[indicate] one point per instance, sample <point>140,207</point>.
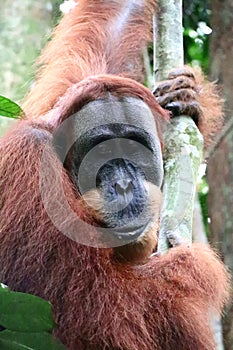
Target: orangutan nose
<point>124,186</point>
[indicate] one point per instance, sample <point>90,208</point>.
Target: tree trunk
<point>181,163</point>
<point>221,49</point>
<point>220,178</point>
<point>220,169</point>
<point>25,27</point>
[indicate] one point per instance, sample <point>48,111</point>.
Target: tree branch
<point>183,141</point>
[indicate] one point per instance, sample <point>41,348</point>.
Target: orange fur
<point>99,304</point>
<point>87,42</point>
<point>212,107</point>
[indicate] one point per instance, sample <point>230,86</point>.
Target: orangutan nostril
<point>124,186</point>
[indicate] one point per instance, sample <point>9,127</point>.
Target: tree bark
<point>183,142</point>
<point>220,178</point>
<point>169,51</point>
<point>25,27</point>
<point>221,49</point>
<point>220,169</point>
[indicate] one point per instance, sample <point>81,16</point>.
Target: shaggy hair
<point>98,302</point>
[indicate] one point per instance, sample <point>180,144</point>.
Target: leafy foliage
<point>25,322</point>
<point>196,15</point>
<point>9,108</point>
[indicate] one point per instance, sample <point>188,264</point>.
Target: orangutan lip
<point>130,231</point>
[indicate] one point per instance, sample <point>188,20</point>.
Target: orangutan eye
<point>81,193</point>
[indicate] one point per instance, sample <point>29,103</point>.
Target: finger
<point>163,86</point>
<point>184,95</point>
<point>191,109</point>
<point>181,71</point>
<point>175,84</point>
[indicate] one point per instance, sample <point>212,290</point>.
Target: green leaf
<point>9,108</point>
<point>25,313</point>
<point>28,341</point>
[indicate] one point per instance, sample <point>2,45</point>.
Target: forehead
<point>112,110</point>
